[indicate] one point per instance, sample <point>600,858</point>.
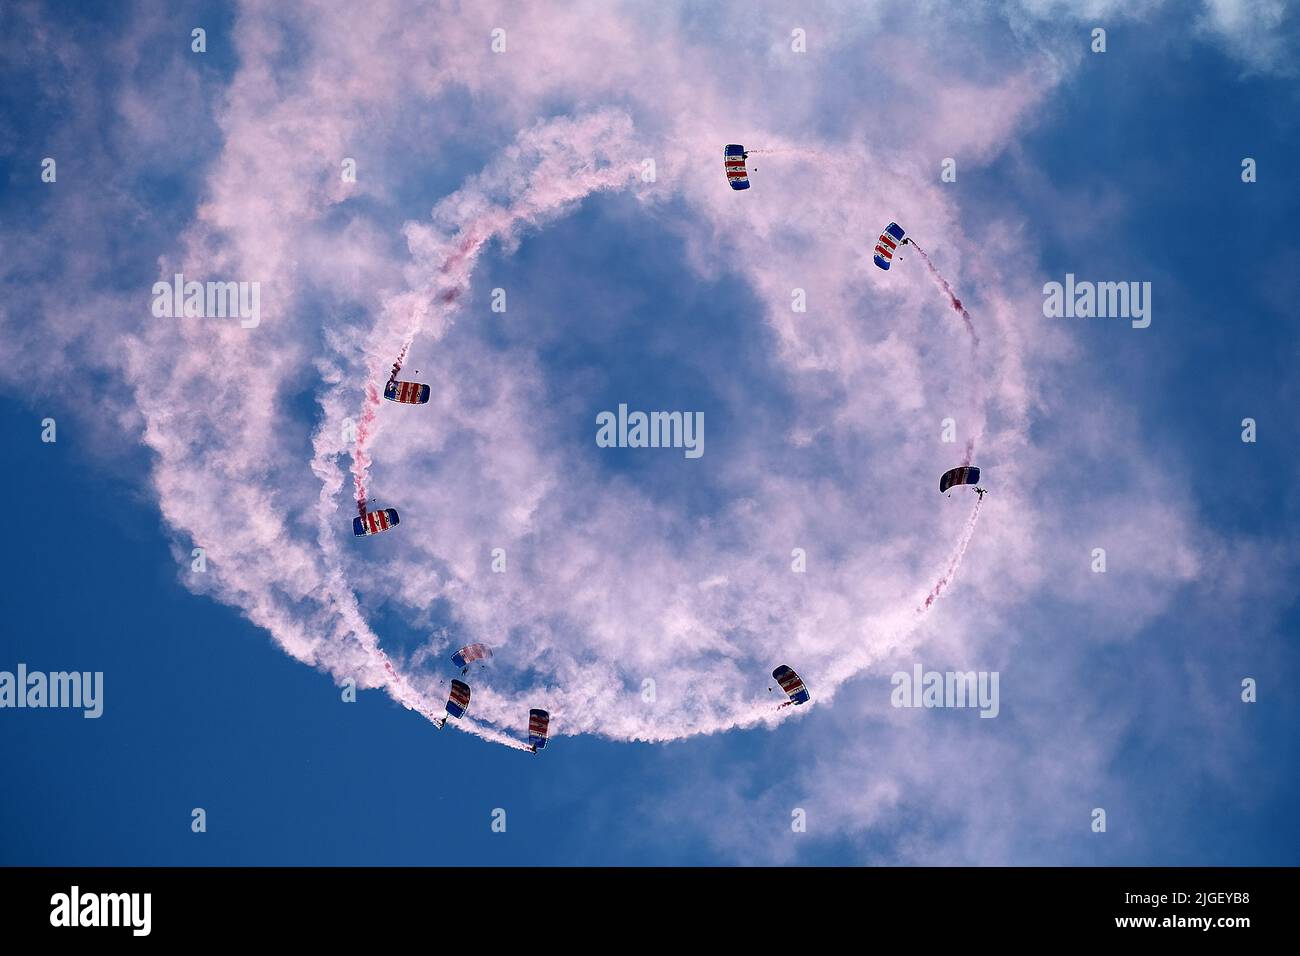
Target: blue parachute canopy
<point>458,702</point>
<point>792,684</point>
<point>888,244</point>
<point>733,161</point>
<point>373,522</point>
<point>965,475</point>
<point>539,724</point>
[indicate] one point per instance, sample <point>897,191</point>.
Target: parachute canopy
<point>408,393</point>
<point>966,475</point>
<point>733,160</point>
<point>373,522</point>
<point>792,684</point>
<point>888,243</point>
<point>539,723</point>
<point>468,655</point>
<point>458,702</point>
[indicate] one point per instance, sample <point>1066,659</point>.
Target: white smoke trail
<point>551,166</point>
<point>555,163</point>
<point>955,561</point>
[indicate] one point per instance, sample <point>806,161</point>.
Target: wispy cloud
<point>608,584</point>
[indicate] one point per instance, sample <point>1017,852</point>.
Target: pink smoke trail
<point>573,159</point>
<point>802,151</point>
<point>551,187</point>
<point>456,265</point>
<point>955,561</point>
<point>366,430</point>
<point>401,359</point>
<point>361,453</point>
<point>952,296</point>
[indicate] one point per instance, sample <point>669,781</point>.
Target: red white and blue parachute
<point>407,393</point>
<point>373,522</point>
<point>733,161</point>
<point>539,724</point>
<point>792,684</point>
<point>458,702</point>
<point>468,655</point>
<point>965,475</point>
<point>888,244</point>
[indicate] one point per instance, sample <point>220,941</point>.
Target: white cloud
<point>608,583</point>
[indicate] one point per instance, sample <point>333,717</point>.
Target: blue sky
<point>1119,691</point>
